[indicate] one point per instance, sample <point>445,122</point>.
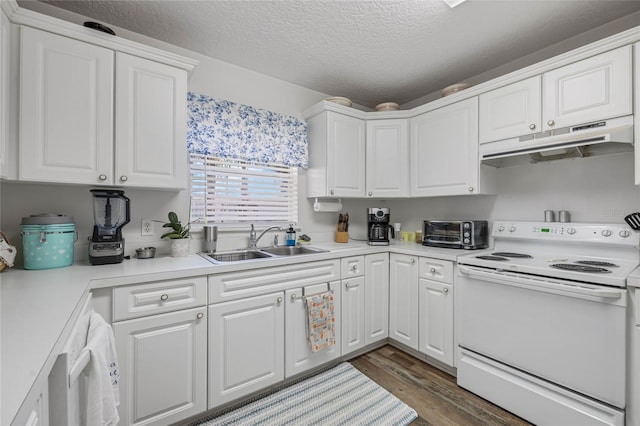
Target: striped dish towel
<point>321,322</point>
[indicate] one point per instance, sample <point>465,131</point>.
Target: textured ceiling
<point>370,51</point>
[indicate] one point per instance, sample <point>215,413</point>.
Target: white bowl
<point>387,106</point>
<point>340,100</point>
<point>450,90</point>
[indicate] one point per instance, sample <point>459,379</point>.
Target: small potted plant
<point>179,236</point>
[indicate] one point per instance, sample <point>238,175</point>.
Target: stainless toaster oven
<point>458,234</point>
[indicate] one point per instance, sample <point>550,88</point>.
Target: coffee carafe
<point>110,213</point>
<point>378,226</point>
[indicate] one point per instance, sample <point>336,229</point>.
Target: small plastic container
<point>48,241</point>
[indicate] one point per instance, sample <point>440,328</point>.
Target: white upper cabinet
<point>596,88</point>
<point>7,145</point>
<point>511,111</point>
<point>336,156</point>
<point>592,89</point>
<point>68,93</point>
<point>444,151</point>
<point>387,168</point>
<point>66,109</point>
<point>151,123</point>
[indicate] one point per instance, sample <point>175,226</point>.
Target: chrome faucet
<point>253,240</point>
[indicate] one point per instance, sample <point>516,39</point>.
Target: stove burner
<point>490,257</point>
<point>580,268</point>
<point>509,254</point>
<point>597,263</point>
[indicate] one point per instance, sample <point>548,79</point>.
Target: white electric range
<point>541,320</point>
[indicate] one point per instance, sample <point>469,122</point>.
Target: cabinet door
<point>345,156</point>
<point>353,298</point>
<point>376,306</point>
<point>5,100</point>
<point>436,320</point>
<point>444,150</point>
<point>151,123</point>
<point>387,155</point>
<point>66,110</point>
<point>511,111</point>
<point>298,354</point>
<point>163,367</point>
<point>246,346</point>
<point>403,299</point>
<point>596,88</point>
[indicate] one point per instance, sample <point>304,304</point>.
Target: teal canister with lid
<point>48,241</point>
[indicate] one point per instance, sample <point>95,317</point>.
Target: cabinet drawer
<point>352,266</point>
<point>254,282</point>
<point>436,270</point>
<point>156,297</point>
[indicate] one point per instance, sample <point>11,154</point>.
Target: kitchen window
<point>244,162</point>
<point>230,191</point>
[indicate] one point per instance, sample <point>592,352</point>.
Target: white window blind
<point>229,191</point>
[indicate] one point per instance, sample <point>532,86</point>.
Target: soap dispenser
<point>291,236</point>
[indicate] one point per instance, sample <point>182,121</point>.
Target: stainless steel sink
<point>257,254</point>
<point>292,250</point>
<point>236,256</point>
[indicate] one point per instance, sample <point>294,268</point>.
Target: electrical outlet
<point>147,227</point>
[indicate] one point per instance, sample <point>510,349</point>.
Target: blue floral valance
<point>229,130</point>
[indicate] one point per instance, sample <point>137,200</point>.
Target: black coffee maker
<point>378,226</point>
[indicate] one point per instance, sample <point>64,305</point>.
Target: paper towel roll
<point>327,206</point>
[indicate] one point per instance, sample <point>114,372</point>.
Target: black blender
<point>110,214</point>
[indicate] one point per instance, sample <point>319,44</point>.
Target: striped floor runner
<point>340,396</point>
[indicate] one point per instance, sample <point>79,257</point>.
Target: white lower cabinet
<point>299,356</point>
<point>246,346</point>
<point>436,320</point>
<point>163,367</point>
<point>353,316</point>
<point>403,299</point>
<point>376,295</point>
<point>365,301</point>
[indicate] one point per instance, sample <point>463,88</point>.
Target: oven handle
<point>538,284</point>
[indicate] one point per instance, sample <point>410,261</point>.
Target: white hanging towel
<point>103,377</point>
<point>321,322</point>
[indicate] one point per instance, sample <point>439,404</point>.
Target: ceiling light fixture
<point>453,3</point>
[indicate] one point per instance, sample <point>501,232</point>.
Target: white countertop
<point>37,308</point>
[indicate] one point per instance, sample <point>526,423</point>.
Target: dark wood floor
<point>431,392</point>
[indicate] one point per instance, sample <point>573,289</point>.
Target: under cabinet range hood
<point>585,140</point>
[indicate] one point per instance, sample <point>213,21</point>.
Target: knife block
<point>341,236</point>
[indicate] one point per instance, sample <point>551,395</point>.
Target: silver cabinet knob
<point>432,270</point>
<point>102,177</point>
<point>532,126</point>
<point>293,296</point>
<point>164,297</point>
<point>200,315</point>
<point>445,290</point>
<point>279,299</point>
<point>370,194</point>
<point>551,123</point>
<point>123,178</point>
<point>347,285</point>
<point>470,189</point>
<point>332,192</point>
<point>354,268</point>
<point>512,229</point>
<point>412,261</point>
<point>500,228</point>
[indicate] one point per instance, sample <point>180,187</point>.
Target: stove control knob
<point>500,228</point>
<point>624,233</point>
<point>571,231</point>
<point>606,233</point>
<point>512,228</point>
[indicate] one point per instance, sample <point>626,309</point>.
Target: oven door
<point>567,333</point>
<point>442,233</point>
